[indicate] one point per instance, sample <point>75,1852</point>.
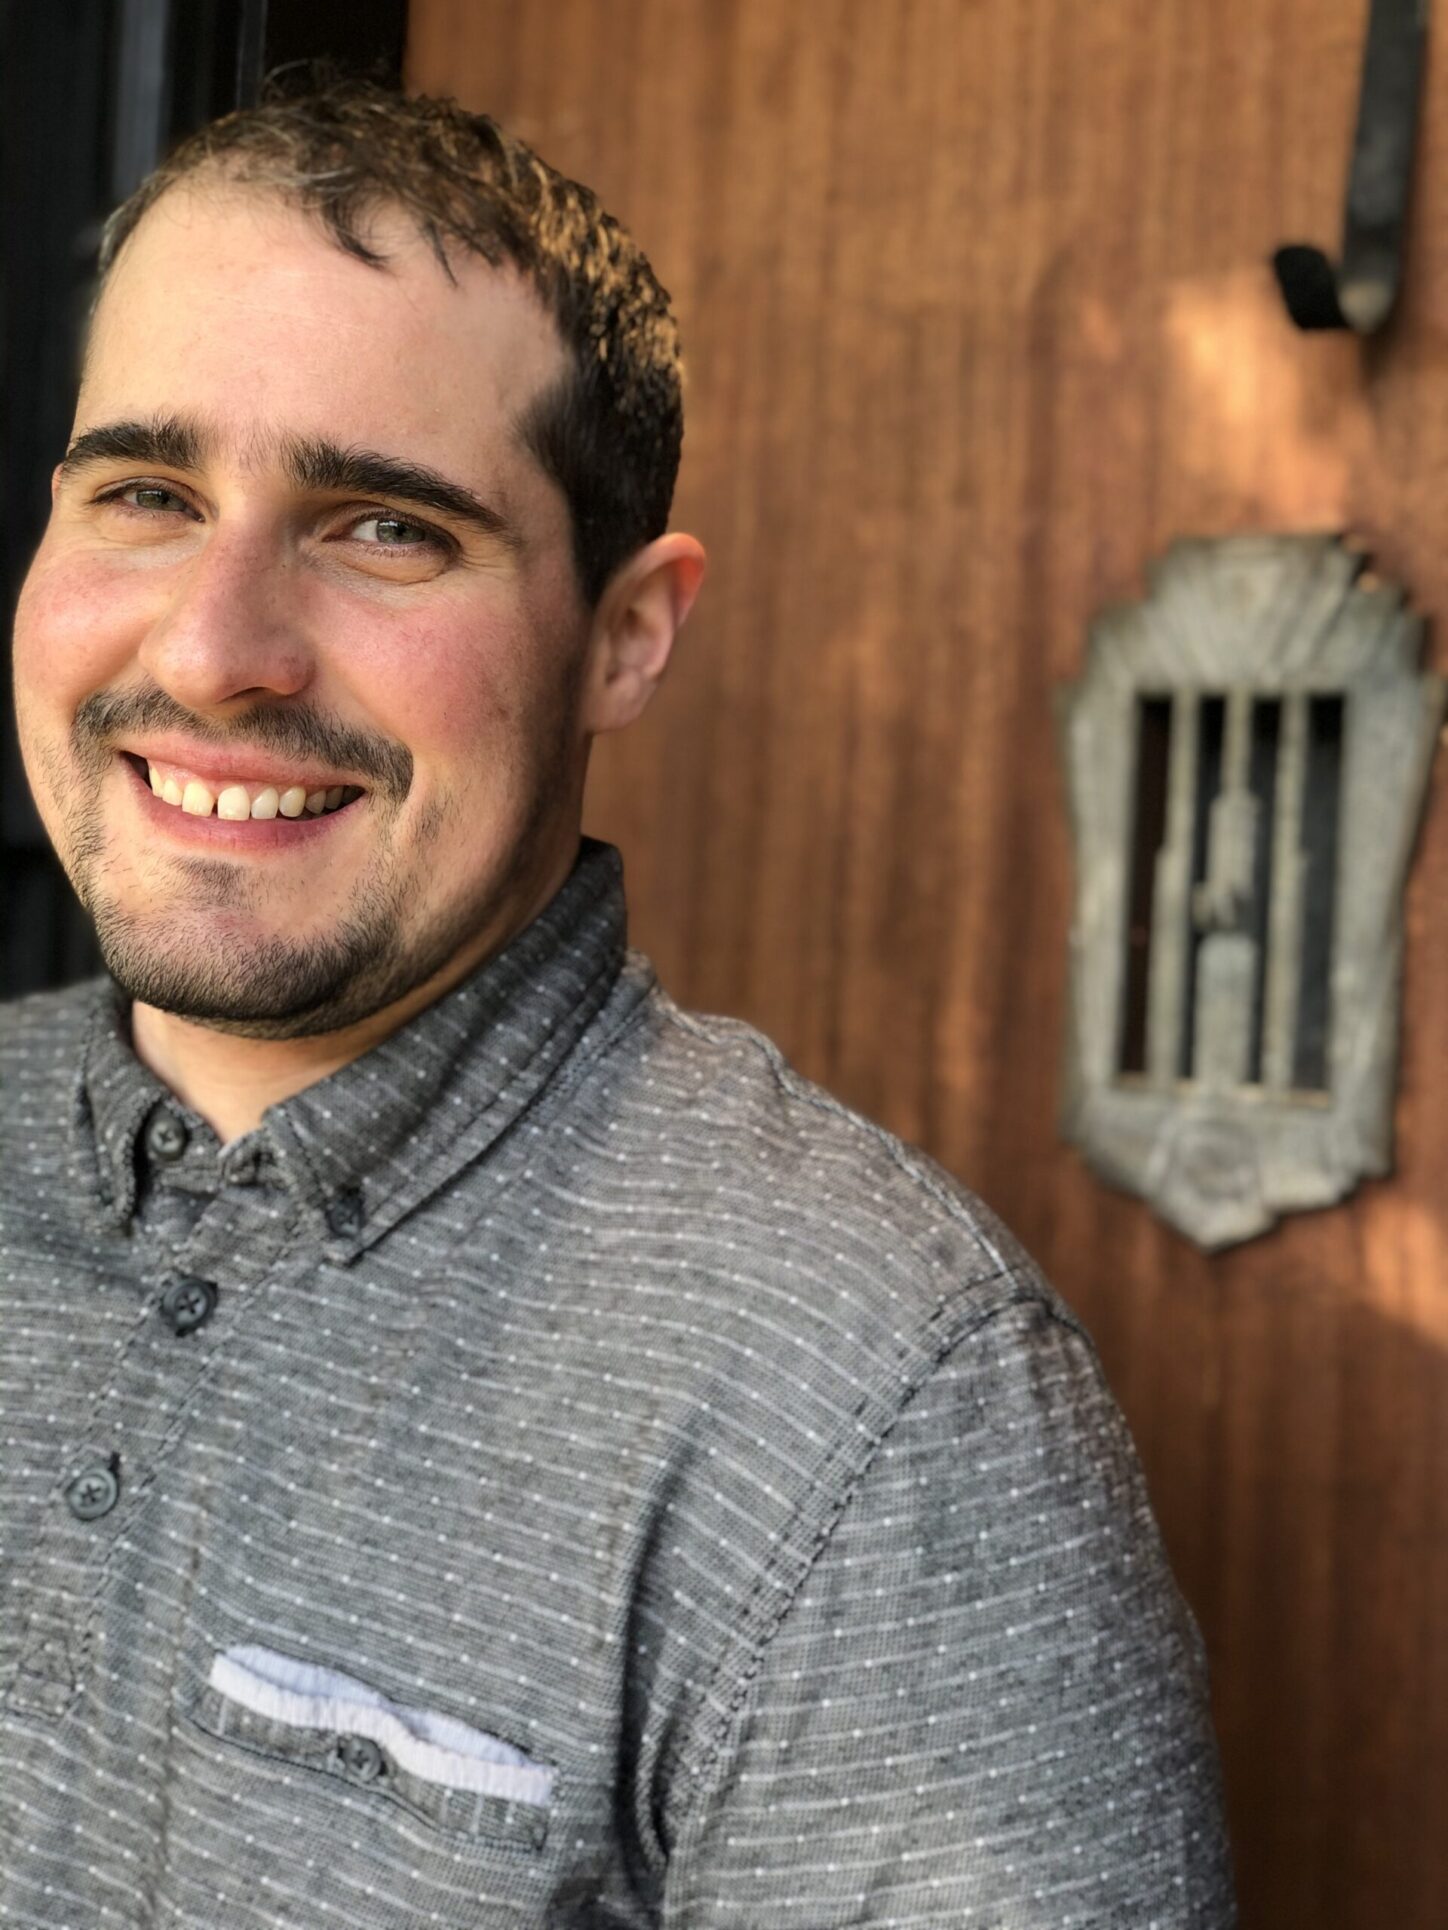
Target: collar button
<point>243,1169</point>
<point>166,1137</point>
<point>345,1214</point>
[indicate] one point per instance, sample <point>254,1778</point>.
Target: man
<point>482,1446</point>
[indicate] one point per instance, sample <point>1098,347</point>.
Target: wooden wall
<point>978,317</point>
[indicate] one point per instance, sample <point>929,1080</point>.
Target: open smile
<point>238,815</point>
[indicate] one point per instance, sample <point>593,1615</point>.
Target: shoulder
<point>43,1041</point>
<point>987,1629</point>
<point>735,1119</point>
<point>43,1035</point>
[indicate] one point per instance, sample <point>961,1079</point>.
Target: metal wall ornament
<point>1247,756</point>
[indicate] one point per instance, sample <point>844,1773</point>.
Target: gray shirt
<point>563,1469</point>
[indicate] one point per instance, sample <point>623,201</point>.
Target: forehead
<point>229,305</point>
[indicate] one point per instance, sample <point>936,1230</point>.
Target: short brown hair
<point>610,433</point>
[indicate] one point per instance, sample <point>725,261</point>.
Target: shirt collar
<point>366,1145</point>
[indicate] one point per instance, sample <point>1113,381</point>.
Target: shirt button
<point>345,1214</point>
<point>93,1492</point>
<point>166,1137</point>
<point>361,1757</point>
<point>188,1303</point>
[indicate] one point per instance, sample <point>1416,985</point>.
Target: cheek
<point>469,699</point>
<point>71,626</point>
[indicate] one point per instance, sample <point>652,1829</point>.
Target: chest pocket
<point>312,1797</point>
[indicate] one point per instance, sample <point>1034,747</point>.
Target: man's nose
<point>230,629</point>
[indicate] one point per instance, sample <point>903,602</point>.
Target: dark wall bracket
<point>1360,292</point>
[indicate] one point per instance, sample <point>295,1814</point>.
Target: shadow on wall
<point>1330,1678</point>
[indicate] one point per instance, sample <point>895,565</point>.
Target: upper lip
<point>219,767</point>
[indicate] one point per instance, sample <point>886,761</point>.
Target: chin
<point>256,984</point>
<point>273,991</point>
<point>222,968</point>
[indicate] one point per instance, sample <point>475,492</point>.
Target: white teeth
<point>236,803</point>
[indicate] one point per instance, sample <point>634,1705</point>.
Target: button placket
<point>133,1419</point>
<point>76,1537</point>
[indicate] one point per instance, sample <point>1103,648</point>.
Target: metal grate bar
<point>1224,961</point>
<point>1284,916</point>
<point>1171,899</point>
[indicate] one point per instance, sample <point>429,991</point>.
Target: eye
<point>142,490</point>
<point>397,532</point>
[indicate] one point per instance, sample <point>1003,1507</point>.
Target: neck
<point>231,1081</point>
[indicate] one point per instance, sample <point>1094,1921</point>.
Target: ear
<point>641,611</point>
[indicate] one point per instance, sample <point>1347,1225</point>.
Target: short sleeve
<point>987,1704</point>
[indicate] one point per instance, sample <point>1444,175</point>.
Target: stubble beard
<point>270,987</point>
<point>274,988</point>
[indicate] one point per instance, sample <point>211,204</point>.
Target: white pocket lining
<point>434,1748</point>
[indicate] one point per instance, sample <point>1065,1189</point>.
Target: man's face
<point>244,606</point>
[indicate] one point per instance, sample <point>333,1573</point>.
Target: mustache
<point>284,729</point>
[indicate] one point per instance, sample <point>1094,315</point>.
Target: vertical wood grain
<point>978,317</point>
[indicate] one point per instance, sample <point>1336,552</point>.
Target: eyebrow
<point>309,462</point>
